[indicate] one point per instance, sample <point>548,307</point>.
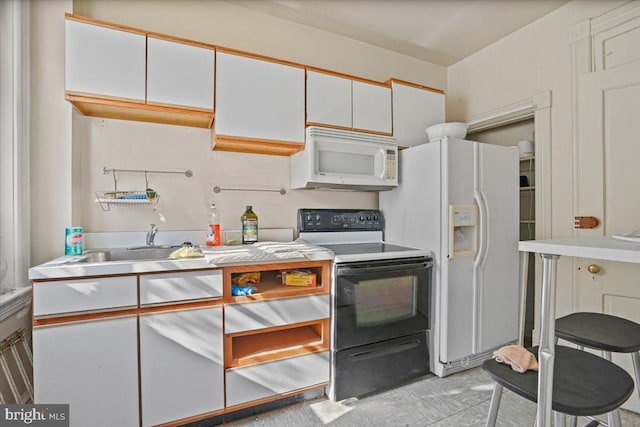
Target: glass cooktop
<point>366,248</point>
<point>371,251</point>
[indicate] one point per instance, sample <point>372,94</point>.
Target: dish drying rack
<point>106,199</point>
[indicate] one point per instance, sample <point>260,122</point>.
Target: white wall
<point>50,131</point>
<point>184,201</point>
<point>505,135</point>
<point>69,150</point>
<point>533,60</point>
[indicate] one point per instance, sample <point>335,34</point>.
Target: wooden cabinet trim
<point>192,419</point>
<point>106,24</point>
<point>140,31</point>
<point>180,107</point>
<point>373,132</point>
<point>138,111</point>
<point>324,125</point>
<point>258,56</point>
<point>180,306</point>
<point>84,316</point>
<point>180,40</point>
<point>348,76</point>
<point>240,144</point>
<point>274,397</point>
<point>88,97</point>
<point>54,319</point>
<point>414,85</point>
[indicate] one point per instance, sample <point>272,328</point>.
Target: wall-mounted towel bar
<point>218,189</point>
<point>105,170</point>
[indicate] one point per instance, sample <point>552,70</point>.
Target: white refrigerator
<point>460,200</point>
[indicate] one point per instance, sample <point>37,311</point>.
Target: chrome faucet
<point>151,234</point>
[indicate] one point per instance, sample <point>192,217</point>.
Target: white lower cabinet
<point>72,296</point>
<point>276,312</point>
<point>181,364</point>
<point>180,286</point>
<point>93,367</point>
<point>249,383</point>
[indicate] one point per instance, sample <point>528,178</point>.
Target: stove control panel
<point>310,220</point>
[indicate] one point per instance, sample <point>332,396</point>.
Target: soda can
<point>73,239</point>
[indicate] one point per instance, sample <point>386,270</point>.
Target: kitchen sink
<point>146,253</point>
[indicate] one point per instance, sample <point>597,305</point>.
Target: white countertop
<point>605,248</point>
<point>214,257</point>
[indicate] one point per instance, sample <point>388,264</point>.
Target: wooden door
<point>608,186</point>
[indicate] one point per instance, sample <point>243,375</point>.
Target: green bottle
<point>249,226</point>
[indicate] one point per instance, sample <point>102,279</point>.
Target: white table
<point>605,248</point>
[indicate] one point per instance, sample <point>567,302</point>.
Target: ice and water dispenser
<point>463,230</point>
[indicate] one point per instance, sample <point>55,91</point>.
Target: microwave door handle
<point>383,161</point>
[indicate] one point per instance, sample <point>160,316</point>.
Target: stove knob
<point>309,217</point>
<point>368,218</point>
<point>375,217</point>
<point>361,218</point>
<point>317,217</point>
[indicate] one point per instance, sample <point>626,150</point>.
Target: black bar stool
<point>603,332</point>
<point>583,384</point>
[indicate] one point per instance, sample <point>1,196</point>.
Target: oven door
<point>380,300</point>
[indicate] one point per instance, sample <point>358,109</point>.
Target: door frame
<point>537,108</point>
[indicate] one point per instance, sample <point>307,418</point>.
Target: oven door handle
<point>352,271</point>
<point>385,351</point>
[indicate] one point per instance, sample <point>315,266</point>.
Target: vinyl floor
<point>458,400</point>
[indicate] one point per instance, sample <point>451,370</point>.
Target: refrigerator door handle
<point>483,243</point>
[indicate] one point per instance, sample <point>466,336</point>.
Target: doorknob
<point>593,268</point>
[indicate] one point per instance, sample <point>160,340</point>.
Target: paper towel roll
<point>525,148</point>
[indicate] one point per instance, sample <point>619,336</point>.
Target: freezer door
<point>496,284</point>
<point>455,293</point>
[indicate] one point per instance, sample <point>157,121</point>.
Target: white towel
<point>519,358</point>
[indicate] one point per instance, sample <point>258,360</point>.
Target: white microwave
<point>345,160</point>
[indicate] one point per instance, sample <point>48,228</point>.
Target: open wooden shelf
<point>260,346</point>
<point>270,285</point>
<point>240,144</point>
<point>141,112</point>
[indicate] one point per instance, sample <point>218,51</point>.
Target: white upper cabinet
<point>342,102</point>
<point>414,110</point>
<point>104,61</point>
<point>179,74</point>
<point>371,107</point>
<point>328,100</point>
<point>259,99</point>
